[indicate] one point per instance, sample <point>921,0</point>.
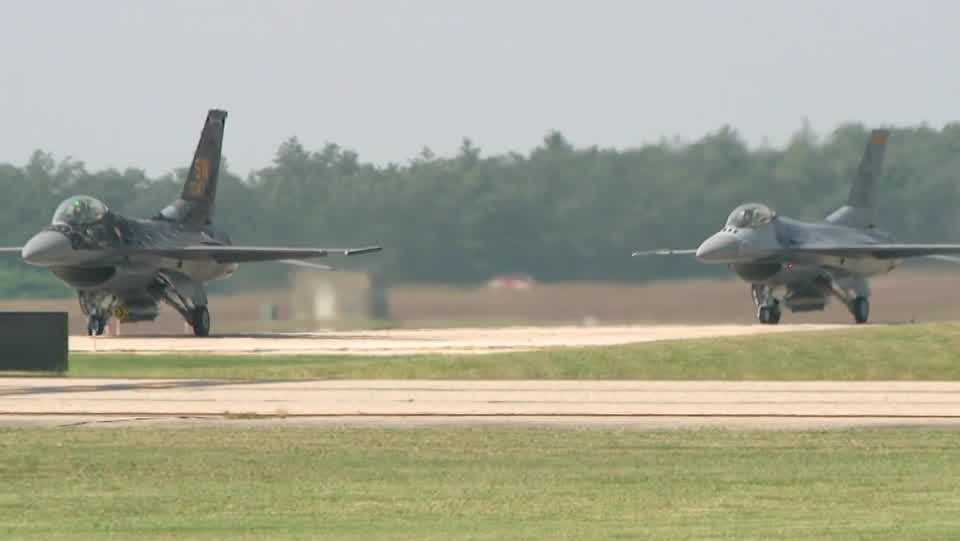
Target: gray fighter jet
<point>811,262</point>
<point>124,267</point>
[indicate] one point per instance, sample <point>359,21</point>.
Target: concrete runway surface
<point>637,404</point>
<point>407,341</point>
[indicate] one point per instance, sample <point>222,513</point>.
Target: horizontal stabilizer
<point>305,264</point>
<point>947,258</point>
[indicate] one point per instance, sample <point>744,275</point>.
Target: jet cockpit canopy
<point>750,216</point>
<point>80,210</point>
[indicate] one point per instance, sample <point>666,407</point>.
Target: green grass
<point>496,484</point>
<point>908,352</point>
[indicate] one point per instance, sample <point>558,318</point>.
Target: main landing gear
<point>198,318</point>
<point>853,293</point>
<point>860,308</point>
<point>188,298</point>
<point>768,306</point>
<point>200,321</point>
<point>190,301</point>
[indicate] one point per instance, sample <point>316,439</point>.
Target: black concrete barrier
<point>33,341</point>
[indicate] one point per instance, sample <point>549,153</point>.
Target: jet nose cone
<point>720,248</point>
<point>46,248</point>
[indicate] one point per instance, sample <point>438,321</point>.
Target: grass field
<point>440,484</point>
<point>905,352</point>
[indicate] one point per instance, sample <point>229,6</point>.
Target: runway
<point>639,404</point>
<point>425,341</point>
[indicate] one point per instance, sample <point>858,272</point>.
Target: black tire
<point>768,315</point>
<point>96,325</point>
<point>200,321</point>
<point>860,308</point>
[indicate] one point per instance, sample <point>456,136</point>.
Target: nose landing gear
<point>768,306</point>
<point>96,324</point>
<point>769,314</point>
<point>96,306</point>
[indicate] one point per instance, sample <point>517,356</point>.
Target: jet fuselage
<point>103,255</point>
<point>124,267</point>
<point>756,253</point>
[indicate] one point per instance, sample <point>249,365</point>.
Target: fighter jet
<point>124,267</point>
<point>810,263</point>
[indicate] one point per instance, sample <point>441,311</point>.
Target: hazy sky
<point>127,83</point>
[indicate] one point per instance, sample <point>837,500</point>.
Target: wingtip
<point>364,250</point>
<point>661,251</point>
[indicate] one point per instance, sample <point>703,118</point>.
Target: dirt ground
<point>909,294</point>
<point>904,295</point>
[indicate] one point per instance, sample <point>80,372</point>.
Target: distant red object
<point>511,281</point>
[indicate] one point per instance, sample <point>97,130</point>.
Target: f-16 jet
<point>810,263</point>
<point>125,267</point>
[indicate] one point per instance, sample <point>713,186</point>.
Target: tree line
<point>557,212</point>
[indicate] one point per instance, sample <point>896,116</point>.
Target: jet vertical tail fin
<point>861,207</point>
<point>195,205</point>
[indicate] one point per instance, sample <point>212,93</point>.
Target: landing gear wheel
<point>95,325</point>
<point>769,314</point>
<point>860,308</point>
<point>200,321</point>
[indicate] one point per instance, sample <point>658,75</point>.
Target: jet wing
<point>10,249</point>
<point>664,252</point>
<point>879,251</point>
<point>243,254</point>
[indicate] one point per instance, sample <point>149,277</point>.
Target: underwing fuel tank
<point>136,310</point>
<point>804,299</point>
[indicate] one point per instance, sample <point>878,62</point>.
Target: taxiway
<point>425,341</point>
<point>411,403</point>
